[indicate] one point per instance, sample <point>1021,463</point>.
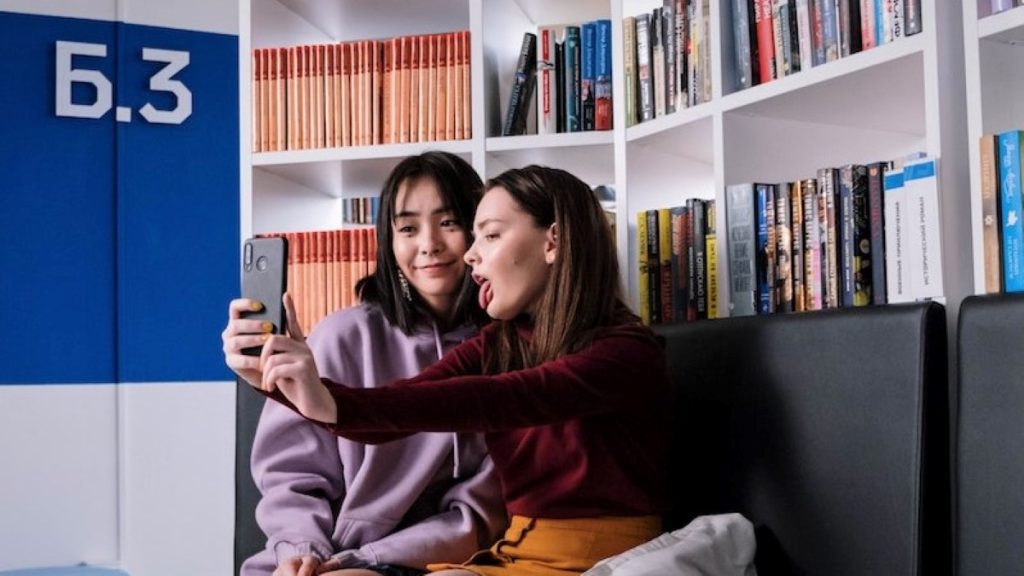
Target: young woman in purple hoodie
<point>570,390</point>
<point>328,502</point>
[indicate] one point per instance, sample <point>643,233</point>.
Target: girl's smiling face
<point>511,256</point>
<point>429,244</point>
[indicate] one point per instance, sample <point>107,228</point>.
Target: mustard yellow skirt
<point>543,547</point>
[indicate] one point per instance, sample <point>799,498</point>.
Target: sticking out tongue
<point>485,294</point>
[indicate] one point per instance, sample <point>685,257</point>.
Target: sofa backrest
<point>249,539</point>
<point>829,431</point>
<point>990,436</point>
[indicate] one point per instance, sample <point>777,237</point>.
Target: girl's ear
<point>551,244</point>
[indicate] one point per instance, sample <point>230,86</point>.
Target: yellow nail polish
<point>256,305</point>
<point>267,327</point>
<point>264,337</point>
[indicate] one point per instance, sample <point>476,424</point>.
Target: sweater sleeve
<point>616,372</point>
<point>296,467</point>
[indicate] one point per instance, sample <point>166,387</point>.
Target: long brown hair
<point>461,189</point>
<point>584,292</point>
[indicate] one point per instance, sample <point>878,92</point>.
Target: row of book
<point>776,38</point>
<point>666,59</point>
<point>360,211</point>
<point>404,89</point>
<point>853,236</point>
<point>323,268</point>
<point>570,69</point>
<point>1004,5</point>
<point>1001,209</point>
<point>678,264</point>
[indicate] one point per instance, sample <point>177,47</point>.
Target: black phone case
<point>265,278</point>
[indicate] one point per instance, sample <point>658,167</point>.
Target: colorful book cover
<point>740,225</point>
<point>1010,210</point>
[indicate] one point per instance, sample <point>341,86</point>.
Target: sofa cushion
<point>990,436</point>
<point>828,430</point>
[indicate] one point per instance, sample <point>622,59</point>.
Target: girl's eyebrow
<point>486,221</point>
<point>413,214</point>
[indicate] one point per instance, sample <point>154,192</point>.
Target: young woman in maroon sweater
<point>569,389</point>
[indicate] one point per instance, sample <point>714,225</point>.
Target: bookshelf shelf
<point>878,104</point>
<point>1007,27</point>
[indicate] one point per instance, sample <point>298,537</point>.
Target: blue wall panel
<point>178,210</point>
<point>57,213</point>
<point>118,234</point>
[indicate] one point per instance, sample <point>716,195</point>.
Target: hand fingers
<point>294,330</point>
<point>308,567</point>
<point>238,306</point>
<point>329,565</point>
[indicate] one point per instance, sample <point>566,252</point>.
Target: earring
<point>405,286</point>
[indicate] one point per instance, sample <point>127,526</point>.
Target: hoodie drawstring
<point>455,435</point>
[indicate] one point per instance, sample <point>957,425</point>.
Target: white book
<point>924,250</point>
<point>804,34</point>
<point>547,87</point>
<point>896,230</point>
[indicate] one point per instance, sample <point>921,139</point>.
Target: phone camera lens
<point>261,263</point>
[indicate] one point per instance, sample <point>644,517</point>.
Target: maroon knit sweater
<point>585,435</point>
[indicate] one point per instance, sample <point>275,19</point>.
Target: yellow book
<point>643,284</point>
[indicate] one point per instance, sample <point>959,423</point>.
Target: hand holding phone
<point>265,278</point>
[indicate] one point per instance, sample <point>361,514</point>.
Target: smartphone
<point>265,278</point>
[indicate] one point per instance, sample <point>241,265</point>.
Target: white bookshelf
<point>876,105</point>
<point>994,55</point>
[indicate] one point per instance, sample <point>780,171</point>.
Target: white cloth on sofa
<point>718,545</point>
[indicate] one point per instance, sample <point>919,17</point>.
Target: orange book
<point>320,281</point>
<point>304,97</point>
<point>467,91</point>
<point>280,79</point>
<point>376,68</point>
<point>317,76</point>
<point>371,240</point>
<point>457,82</point>
<point>330,97</point>
<point>345,51</point>
<point>331,280</point>
<point>348,269</point>
<point>414,88</point>
<point>441,64</point>
<point>385,92</point>
<point>257,99</point>
<point>424,94</point>
<point>431,87</point>
<point>403,89</point>
<point>291,95</point>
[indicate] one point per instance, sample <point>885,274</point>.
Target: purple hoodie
<point>430,497</point>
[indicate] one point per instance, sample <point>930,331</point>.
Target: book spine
<point>658,61</point>
<point>783,250</point>
<point>677,217</point>
<point>844,216</point>
<point>682,44</point>
<point>829,29</point>
<point>573,104</point>
<point>741,43</point>
<point>629,64</point>
<point>912,17</point>
<point>861,237</point>
<point>520,94</point>
<point>780,35</point>
<point>588,76</point>
<point>867,24</point>
<point>895,232</point>
<point>765,40</point>
<point>711,248</point>
<point>876,210</point>
<point>740,232</point>
<point>644,68</point>
<point>654,265</point>
<point>812,245</point>
<point>827,186</point>
<point>603,72</point>
<point>1011,210</point>
<point>665,264</point>
<point>560,82</point>
<point>796,215</point>
<point>547,84</point>
<point>699,258</point>
<point>925,250</point>
<point>990,214</point>
<point>643,263</point>
<point>793,42</point>
<point>804,33</point>
<point>668,40</point>
<point>765,265</point>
